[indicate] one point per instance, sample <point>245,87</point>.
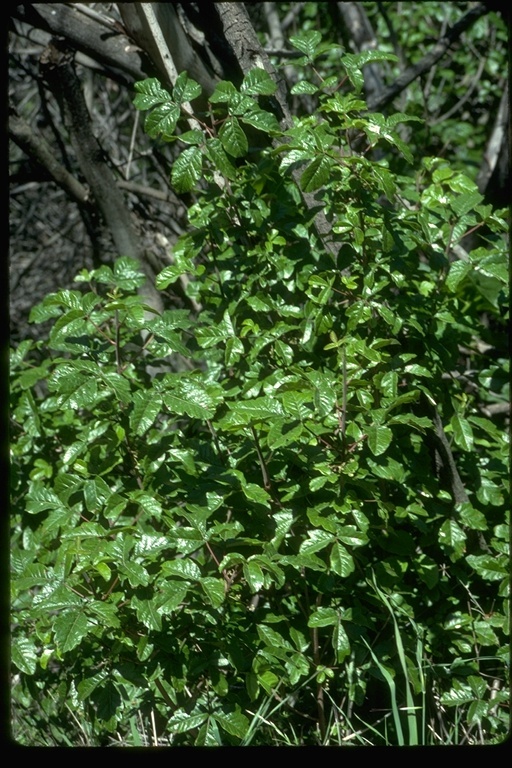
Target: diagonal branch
<point>35,146</point>
<point>457,489</point>
<point>428,61</point>
<point>109,47</point>
<point>57,65</point>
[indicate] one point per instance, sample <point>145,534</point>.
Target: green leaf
<point>146,407</point>
<point>323,617</point>
<point>494,266</point>
<point>466,202</point>
<point>215,590</point>
<point>135,572</point>
<point>307,42</point>
<point>257,409</point>
<point>41,499</point>
<point>418,370</point>
<point>70,628</point>
<point>452,537</point>
<point>253,575</point>
<point>215,151</point>
<point>234,723</point>
<point>341,643</point>
<point>257,81</point>
<point>147,502</point>
<point>262,120</point>
<point>317,540</point>
<point>272,639</point>
<point>181,722</point>
<point>192,137</point>
<point>462,432</point>
<point>341,562</point>
<point>256,493</point>
<point>149,93</point>
<point>24,655</point>
<point>185,89</point>
<point>118,385</point>
<point>489,567</point>
<point>224,92</point>
<point>379,439</point>
<point>233,138</point>
<point>234,351</point>
<point>162,121</point>
<point>127,274</point>
<point>457,272</point>
<point>304,87</point>
<point>185,568</point>
<point>189,397</point>
<point>187,170</point>
<point>489,492</point>
<point>316,174</point>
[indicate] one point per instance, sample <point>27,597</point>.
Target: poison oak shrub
<point>310,516</point>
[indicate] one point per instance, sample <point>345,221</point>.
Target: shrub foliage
<point>273,519</point>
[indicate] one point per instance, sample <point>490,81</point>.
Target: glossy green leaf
<point>342,563</point>
<point>261,119</point>
<point>253,575</point>
<point>185,89</point>
<point>316,541</point>
<point>24,655</point>
<point>379,439</point>
<point>189,397</point>
<point>187,169</point>
<point>146,407</point>
<point>215,151</point>
<point>233,138</point>
<point>70,628</point>
<point>255,493</point>
<point>316,174</point>
<point>453,538</point>
<point>462,432</point>
<point>234,723</point>
<point>458,271</point>
<point>323,617</point>
<point>307,42</point>
<point>489,567</point>
<point>303,87</point>
<point>185,568</point>
<point>258,82</point>
<point>215,590</point>
<point>149,93</point>
<point>341,643</point>
<point>162,121</point>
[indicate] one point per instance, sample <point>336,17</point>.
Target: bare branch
<point>57,66</point>
<point>113,50</point>
<point>36,147</point>
<point>453,110</point>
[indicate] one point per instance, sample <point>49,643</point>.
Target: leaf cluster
<point>277,517</point>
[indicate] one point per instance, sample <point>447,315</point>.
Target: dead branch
<point>57,66</point>
<point>36,147</point>
<point>113,50</point>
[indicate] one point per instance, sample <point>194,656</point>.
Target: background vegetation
<point>259,452</point>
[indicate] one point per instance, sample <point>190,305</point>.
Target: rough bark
<point>103,41</point>
<point>36,147</point>
<point>57,65</point>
